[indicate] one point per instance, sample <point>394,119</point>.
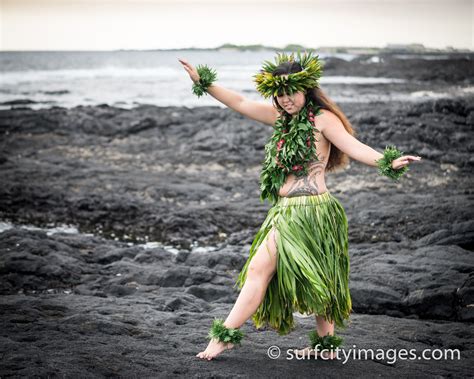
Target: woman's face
<point>292,103</point>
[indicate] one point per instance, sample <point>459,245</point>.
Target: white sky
<point>160,24</point>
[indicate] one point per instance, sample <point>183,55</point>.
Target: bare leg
<point>323,328</point>
<point>260,272</point>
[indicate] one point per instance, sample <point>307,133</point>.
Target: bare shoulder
<point>325,119</point>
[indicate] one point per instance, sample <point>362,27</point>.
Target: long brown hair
<point>337,159</point>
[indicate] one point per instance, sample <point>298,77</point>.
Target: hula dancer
<point>299,259</point>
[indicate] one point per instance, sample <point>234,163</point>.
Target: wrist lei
<point>384,164</point>
<point>224,334</point>
<point>206,77</point>
<point>327,342</point>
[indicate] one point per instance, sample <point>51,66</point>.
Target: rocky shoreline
<point>101,302</point>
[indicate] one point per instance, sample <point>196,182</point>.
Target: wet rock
<point>210,292</point>
<point>174,277</point>
<point>188,178</point>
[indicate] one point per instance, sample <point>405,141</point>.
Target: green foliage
<point>206,77</point>
<point>295,133</point>
<point>326,342</point>
<point>269,85</point>
<point>227,335</point>
<point>385,163</point>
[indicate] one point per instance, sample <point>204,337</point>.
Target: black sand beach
<point>102,303</point>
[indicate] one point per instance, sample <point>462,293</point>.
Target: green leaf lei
<point>289,150</point>
<point>206,77</point>
<point>327,342</point>
<point>384,164</point>
<point>227,335</point>
<point>268,84</point>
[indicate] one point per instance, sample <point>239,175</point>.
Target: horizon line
<point>411,47</point>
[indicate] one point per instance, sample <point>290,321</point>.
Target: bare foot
<point>214,348</point>
<point>309,352</point>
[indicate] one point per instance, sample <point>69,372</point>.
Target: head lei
<point>268,84</point>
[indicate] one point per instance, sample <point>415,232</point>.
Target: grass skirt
<point>313,262</point>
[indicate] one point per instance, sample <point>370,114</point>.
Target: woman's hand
<point>404,161</point>
<point>193,74</point>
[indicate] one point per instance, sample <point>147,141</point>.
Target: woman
<point>299,258</point>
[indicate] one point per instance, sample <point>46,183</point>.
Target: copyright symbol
<point>273,352</point>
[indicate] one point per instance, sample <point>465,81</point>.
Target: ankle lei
<point>327,342</point>
<point>221,333</point>
<point>289,150</point>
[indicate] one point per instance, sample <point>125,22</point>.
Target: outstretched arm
<point>256,110</point>
<point>333,129</point>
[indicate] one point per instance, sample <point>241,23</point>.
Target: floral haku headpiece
<point>269,85</point>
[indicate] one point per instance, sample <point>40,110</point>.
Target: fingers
<point>405,160</point>
<point>184,63</point>
<point>411,157</point>
<point>401,163</point>
<point>189,69</point>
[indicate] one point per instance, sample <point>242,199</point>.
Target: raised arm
<point>256,110</point>
<point>332,128</point>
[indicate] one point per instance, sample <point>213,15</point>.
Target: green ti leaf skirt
<point>312,273</point>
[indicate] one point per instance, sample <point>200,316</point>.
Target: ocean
<point>128,78</point>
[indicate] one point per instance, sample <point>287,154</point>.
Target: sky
<point>166,24</point>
